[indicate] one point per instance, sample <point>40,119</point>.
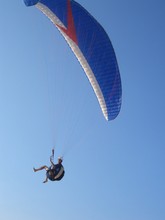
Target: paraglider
<point>55,172</point>
<point>92,47</point>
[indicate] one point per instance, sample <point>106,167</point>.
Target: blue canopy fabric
<point>92,47</point>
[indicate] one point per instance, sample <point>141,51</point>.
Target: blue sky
<point>114,170</point>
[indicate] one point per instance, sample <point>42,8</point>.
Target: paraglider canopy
<point>92,47</point>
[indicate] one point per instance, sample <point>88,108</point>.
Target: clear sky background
<point>114,170</point>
